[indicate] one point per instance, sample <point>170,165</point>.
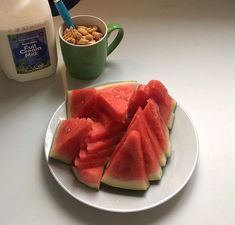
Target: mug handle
<point>117,39</point>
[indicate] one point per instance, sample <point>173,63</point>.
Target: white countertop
<point>190,47</point>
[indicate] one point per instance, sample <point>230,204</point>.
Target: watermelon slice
<point>69,137</point>
<point>84,155</point>
<point>115,99</point>
<point>89,176</point>
<point>140,123</point>
<point>152,160</point>
<point>156,90</point>
<point>157,126</point>
<point>81,102</point>
<point>154,141</point>
<point>150,134</point>
<point>93,147</point>
<point>127,169</point>
<point>88,163</point>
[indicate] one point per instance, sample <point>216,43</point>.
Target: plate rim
<point>174,193</point>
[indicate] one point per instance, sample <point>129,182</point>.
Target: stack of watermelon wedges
<point>116,134</point>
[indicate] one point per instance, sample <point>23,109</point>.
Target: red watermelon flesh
<point>115,99</point>
<point>138,100</point>
<point>125,134</point>
<point>100,132</point>
<point>150,132</point>
<point>93,147</point>
<point>88,163</point>
<point>108,122</point>
<point>154,141</point>
<point>139,123</point>
<point>152,162</point>
<point>127,169</point>
<point>84,155</point>
<point>131,120</point>
<point>156,90</point>
<point>102,117</point>
<point>89,176</point>
<point>69,137</point>
<point>167,115</point>
<point>81,102</point>
<point>158,126</point>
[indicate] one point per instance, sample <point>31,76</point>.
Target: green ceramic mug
<point>87,62</point>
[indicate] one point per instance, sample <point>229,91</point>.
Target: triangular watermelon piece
<point>81,102</point>
<point>89,176</point>
<point>127,167</point>
<point>68,139</point>
<point>150,134</point>
<point>157,91</point>
<point>154,141</point>
<point>115,99</point>
<point>157,125</point>
<point>152,162</point>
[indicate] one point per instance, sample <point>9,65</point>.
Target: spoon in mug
<point>63,11</point>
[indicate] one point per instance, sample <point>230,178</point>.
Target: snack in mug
<point>82,35</point>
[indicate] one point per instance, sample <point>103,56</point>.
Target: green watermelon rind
<point>174,105</point>
<point>155,176</point>
<point>131,185</point>
<point>168,150</point>
<point>163,160</point>
<point>52,152</point>
<point>171,120</point>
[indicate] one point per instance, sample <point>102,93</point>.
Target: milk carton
<point>27,39</point>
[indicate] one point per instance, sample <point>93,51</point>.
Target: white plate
<point>175,175</point>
